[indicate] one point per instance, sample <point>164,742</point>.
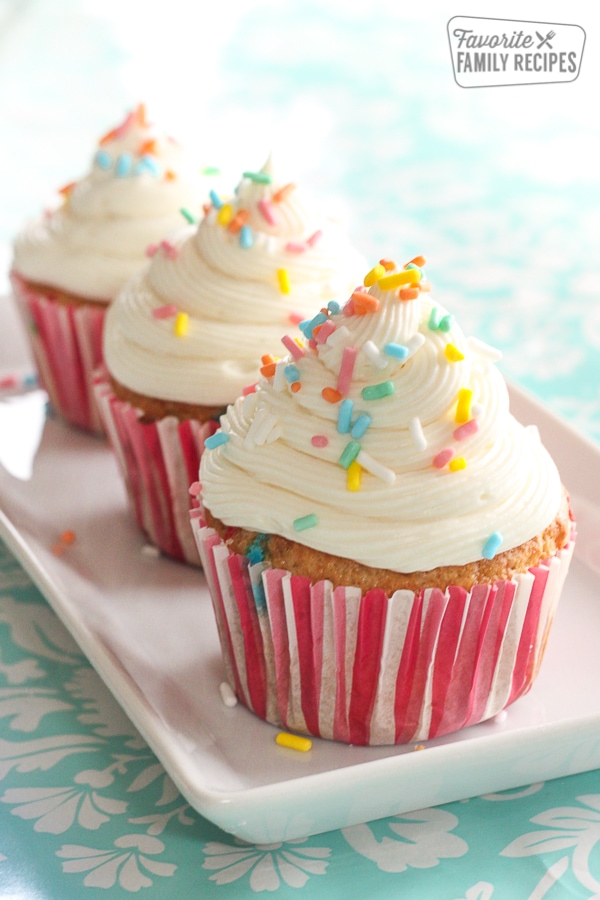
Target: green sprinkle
<point>349,453</point>
<point>305,522</point>
<point>258,177</point>
<point>434,319</point>
<point>187,215</point>
<point>210,170</point>
<point>446,323</point>
<point>377,391</point>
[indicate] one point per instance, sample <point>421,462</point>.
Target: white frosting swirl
<point>227,284</point>
<point>410,515</point>
<point>97,239</point>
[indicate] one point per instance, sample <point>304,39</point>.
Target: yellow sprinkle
<point>407,276</point>
<point>284,281</point>
<point>463,407</point>
<point>293,741</point>
<point>225,214</point>
<point>419,746</point>
<point>353,479</point>
<point>459,462</point>
<point>374,275</point>
<point>182,321</point>
<point>453,354</point>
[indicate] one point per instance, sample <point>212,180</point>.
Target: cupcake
<point>384,543</point>
<point>182,338</point>
<point>70,263</point>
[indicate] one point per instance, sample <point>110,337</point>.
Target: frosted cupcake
<point>384,543</point>
<point>185,337</point>
<point>69,263</point>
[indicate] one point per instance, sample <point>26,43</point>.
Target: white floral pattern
<point>57,809</point>
<point>107,868</point>
<point>267,866</point>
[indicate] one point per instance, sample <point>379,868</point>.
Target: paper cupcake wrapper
<point>66,341</point>
<point>158,461</point>
<point>372,669</point>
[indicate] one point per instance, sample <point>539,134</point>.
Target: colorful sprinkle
<point>169,249</point>
<point>290,344</point>
<point>374,355</point>
<point>407,276</point>
<point>292,373</point>
<point>283,192</point>
<point>398,351</point>
<point>294,318</point>
<point>308,325</point>
<point>66,189</point>
<point>466,430</point>
<point>364,303</point>
<point>67,537</point>
<point>346,369</point>
<point>249,389</point>
<point>124,165</point>
<point>266,211</point>
<point>388,264</point>
<point>188,216</point>
<point>147,164</point>
<point>417,434</point>
<point>227,695</point>
<point>417,261</point>
<point>246,237</point>
<point>268,369</point>
<point>378,391</point>
<point>434,318</point>
<point>443,458</point>
<point>215,199</point>
<point>103,159</point>
<point>331,395</point>
<point>194,488</point>
<point>463,406</point>
<point>349,453</point>
<point>453,354</point>
<point>446,322</point>
<point>455,465</point>
<point>334,307</point>
<point>373,275</point>
<point>360,425</point>
<point>316,236</point>
<point>151,551</point>
<point>492,545</point>
<point>295,387</point>
<point>319,440</point>
<point>284,281</point>
<point>415,343</point>
<point>260,429</point>
<point>345,416</point>
<point>240,219</point>
<point>165,312</point>
<point>216,439</point>
<point>408,294</point>
<point>225,214</point>
<point>295,247</point>
<point>305,522</point>
<point>324,331</point>
<point>293,742</point>
<point>181,325</point>
<point>258,177</point>
<point>388,476</point>
<point>353,477</point>
<point>279,380</point>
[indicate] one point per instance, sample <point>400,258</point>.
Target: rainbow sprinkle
<point>446,323</point>
<point>378,391</point>
<point>165,312</point>
<point>388,476</point>
<point>305,522</point>
<point>266,211</point>
<point>492,545</point>
<point>293,742</point>
<point>283,192</point>
<point>346,369</point>
<point>417,434</point>
<point>246,237</point>
<point>361,424</point>
<point>292,373</point>
<point>374,355</point>
<point>398,351</point>
<point>187,215</point>
<point>225,214</point>
<point>290,344</point>
<point>258,177</point>
<point>463,406</point>
<point>181,325</point>
<point>453,354</point>
<point>345,416</point>
<point>443,458</point>
<point>458,463</point>
<point>284,281</point>
<point>103,159</point>
<point>215,199</point>
<point>319,440</point>
<point>349,454</point>
<point>353,477</point>
<point>124,165</point>
<point>373,275</point>
<point>216,439</point>
<point>312,240</point>
<point>407,276</point>
<point>466,430</point>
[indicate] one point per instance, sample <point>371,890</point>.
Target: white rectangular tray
<point>146,625</point>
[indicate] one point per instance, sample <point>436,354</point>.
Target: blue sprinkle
<point>360,426</point>
<point>345,416</point>
<point>246,237</point>
<point>147,164</point>
<point>334,307</point>
<point>216,439</point>
<point>317,320</point>
<point>215,199</point>
<point>256,551</point>
<point>30,381</point>
<point>260,598</point>
<point>492,545</point>
<point>292,373</point>
<point>399,351</point>
<point>103,159</point>
<point>124,165</point>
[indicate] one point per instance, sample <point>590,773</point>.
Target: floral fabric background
<point>500,189</point>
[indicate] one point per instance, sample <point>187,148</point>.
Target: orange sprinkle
<point>387,264</point>
<point>206,208</point>
<point>68,537</point>
<point>331,395</point>
<point>140,114</point>
<point>147,147</point>
<point>364,303</point>
<point>283,192</point>
<point>58,549</point>
<point>268,370</point>
<point>317,329</point>
<point>295,387</point>
<point>418,261</point>
<point>108,137</point>
<point>170,175</point>
<point>67,188</point>
<point>408,293</point>
<point>424,286</point>
<point>240,218</point>
<point>266,359</point>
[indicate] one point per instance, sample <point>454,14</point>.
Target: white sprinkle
<point>249,404</point>
<point>375,468</point>
<point>151,551</point>
<point>476,410</point>
<point>262,425</point>
<point>417,434</point>
<point>374,355</point>
<point>415,343</point>
<point>227,695</point>
<point>279,379</point>
<point>340,334</point>
<point>484,350</point>
<point>273,435</point>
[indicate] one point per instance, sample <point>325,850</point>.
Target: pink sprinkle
<point>250,389</point>
<point>296,247</point>
<point>291,345</point>
<point>170,249</point>
<point>194,489</point>
<point>312,240</point>
<point>346,369</point>
<point>165,312</point>
<point>466,430</point>
<point>151,250</point>
<point>295,318</point>
<point>312,344</point>
<point>266,211</point>
<point>319,440</point>
<point>324,331</point>
<point>443,458</point>
<point>348,309</point>
<point>9,381</point>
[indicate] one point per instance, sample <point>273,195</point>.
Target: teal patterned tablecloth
<point>500,189</point>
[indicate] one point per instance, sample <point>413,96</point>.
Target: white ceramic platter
<point>146,625</point>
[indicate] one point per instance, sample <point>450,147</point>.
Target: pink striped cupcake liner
<point>374,669</point>
<point>158,462</point>
<point>66,341</point>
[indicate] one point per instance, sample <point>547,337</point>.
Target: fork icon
<point>545,40</point>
